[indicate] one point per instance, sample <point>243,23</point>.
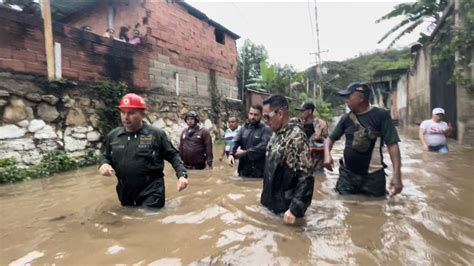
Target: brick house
<point>185,45</point>
<point>183,52</point>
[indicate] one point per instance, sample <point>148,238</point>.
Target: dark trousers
<point>372,184</point>
<point>150,195</point>
<point>196,167</point>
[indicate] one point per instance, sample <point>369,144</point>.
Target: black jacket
<point>195,147</point>
<point>252,138</point>
<point>138,161</point>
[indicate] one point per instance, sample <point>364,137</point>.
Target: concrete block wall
<point>419,89</point>
<point>402,100</point>
<point>162,75</point>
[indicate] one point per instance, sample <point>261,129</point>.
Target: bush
<point>110,94</point>
<point>54,162</point>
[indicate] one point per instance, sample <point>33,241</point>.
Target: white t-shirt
<point>434,132</point>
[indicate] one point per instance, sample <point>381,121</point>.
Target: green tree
<point>283,79</point>
<point>267,75</point>
<point>323,108</point>
<point>414,14</point>
<point>249,59</point>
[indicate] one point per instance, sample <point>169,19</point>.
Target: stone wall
<point>37,117</point>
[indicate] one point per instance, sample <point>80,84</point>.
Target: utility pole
<point>318,55</point>
<point>48,37</point>
<point>318,75</point>
<point>243,75</point>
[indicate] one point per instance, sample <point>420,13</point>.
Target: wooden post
<point>48,37</point>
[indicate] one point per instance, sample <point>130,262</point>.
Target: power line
<point>311,21</point>
<point>241,13</point>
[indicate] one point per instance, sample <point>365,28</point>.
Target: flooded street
<point>76,218</point>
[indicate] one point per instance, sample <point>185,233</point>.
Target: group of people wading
<point>286,152</point>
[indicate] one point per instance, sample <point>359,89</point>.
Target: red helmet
<point>131,100</point>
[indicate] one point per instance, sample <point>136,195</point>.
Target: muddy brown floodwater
<point>75,218</point>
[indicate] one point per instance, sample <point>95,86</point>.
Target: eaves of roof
<point>62,9</point>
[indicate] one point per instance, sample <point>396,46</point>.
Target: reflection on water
<point>76,218</point>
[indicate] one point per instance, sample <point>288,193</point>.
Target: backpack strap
<point>373,133</point>
<point>355,121</point>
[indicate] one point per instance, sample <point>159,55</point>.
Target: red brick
<point>70,73</point>
<point>88,76</point>
<point>25,56</point>
<point>15,65</point>
<point>37,46</point>
<point>5,53</point>
<point>170,27</point>
<point>40,58</point>
<point>79,64</point>
<point>68,52</point>
<point>37,68</point>
<point>100,49</point>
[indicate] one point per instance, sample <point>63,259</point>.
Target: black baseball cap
<point>355,86</point>
<point>306,106</point>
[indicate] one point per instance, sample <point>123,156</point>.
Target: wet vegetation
<point>54,162</point>
<point>109,94</point>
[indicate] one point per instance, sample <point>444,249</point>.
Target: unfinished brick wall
<point>188,41</point>
<point>178,42</point>
<point>127,14</point>
<point>85,56</point>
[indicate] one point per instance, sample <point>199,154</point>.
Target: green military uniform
<point>138,160</point>
<point>287,179</point>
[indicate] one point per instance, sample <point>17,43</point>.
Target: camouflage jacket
<point>288,182</point>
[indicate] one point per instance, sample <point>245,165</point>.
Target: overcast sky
<point>285,28</point>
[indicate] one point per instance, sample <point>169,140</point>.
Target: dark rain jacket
<point>253,138</point>
<point>138,161</point>
<point>195,148</point>
<point>288,182</point>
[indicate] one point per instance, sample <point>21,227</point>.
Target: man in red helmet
<point>135,153</point>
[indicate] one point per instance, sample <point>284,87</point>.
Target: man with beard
<point>195,146</point>
<point>250,145</point>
